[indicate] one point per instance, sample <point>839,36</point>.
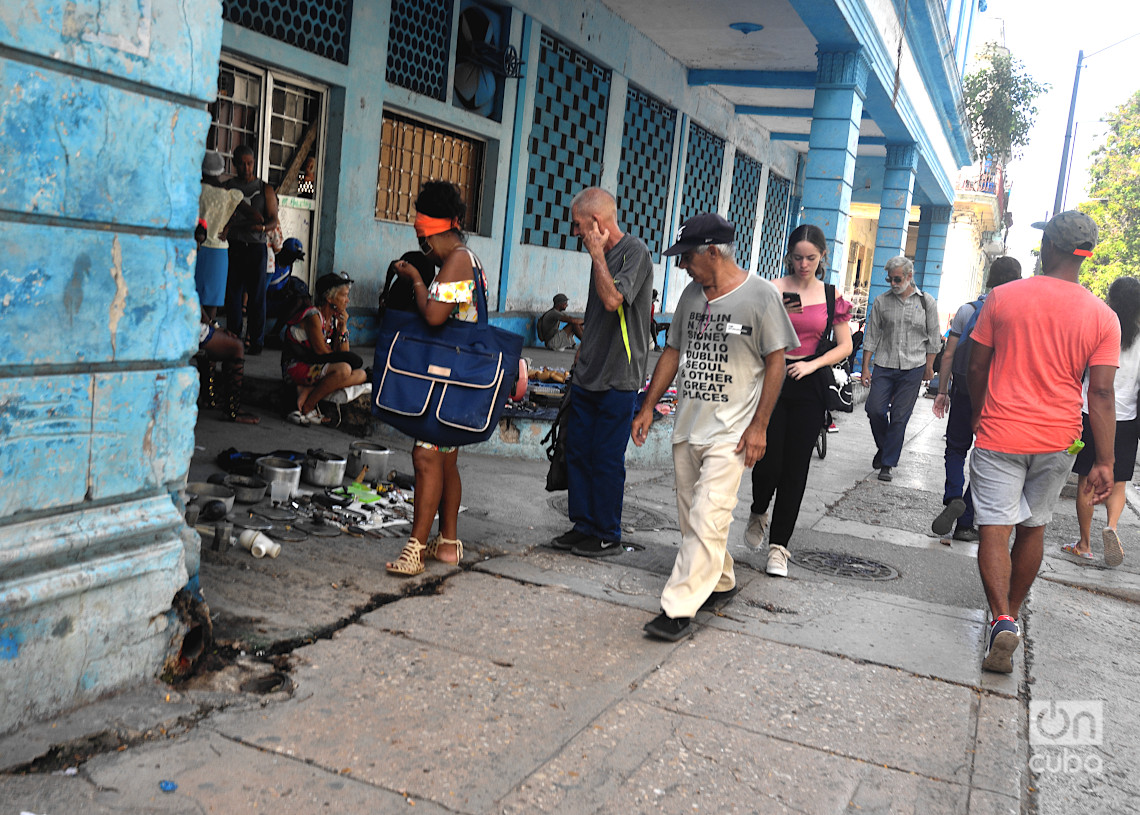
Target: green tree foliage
<point>1114,186</point>
<point>1000,101</point>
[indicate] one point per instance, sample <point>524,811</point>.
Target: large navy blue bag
<point>444,384</point>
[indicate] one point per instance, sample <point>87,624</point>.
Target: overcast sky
<point>1046,36</point>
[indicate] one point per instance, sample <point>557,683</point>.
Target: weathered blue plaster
<point>143,430</point>
<point>145,41</point>
<point>9,645</point>
<point>101,141</point>
<point>66,439</point>
<point>45,441</point>
<point>104,154</point>
<point>114,297</point>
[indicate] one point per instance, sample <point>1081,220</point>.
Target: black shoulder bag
<point>838,397</point>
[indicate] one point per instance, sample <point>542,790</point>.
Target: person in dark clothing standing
<point>609,371</point>
<point>255,216</point>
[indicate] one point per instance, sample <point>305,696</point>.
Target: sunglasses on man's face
<point>895,280</point>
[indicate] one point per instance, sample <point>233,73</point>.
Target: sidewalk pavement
<point>522,682</point>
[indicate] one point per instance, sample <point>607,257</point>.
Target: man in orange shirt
<point>1032,343</point>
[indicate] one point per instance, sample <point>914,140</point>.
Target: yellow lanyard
<point>621,319</point>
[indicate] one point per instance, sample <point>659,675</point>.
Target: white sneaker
<point>757,531</point>
<point>777,560</point>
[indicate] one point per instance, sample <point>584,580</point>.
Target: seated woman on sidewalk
<point>1124,299</point>
<point>316,357</point>
<point>451,296</point>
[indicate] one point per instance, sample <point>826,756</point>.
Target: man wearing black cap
<point>1033,342</point>
<point>555,338</point>
<point>608,373</point>
<point>727,340</point>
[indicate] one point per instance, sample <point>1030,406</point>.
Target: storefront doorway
<point>284,119</point>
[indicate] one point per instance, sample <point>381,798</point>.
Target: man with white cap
<point>727,340</point>
<point>1033,341</point>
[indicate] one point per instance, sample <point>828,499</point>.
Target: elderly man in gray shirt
<point>902,333</point>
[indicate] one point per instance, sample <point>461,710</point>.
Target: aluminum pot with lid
<point>276,470</point>
<point>323,469</point>
<point>367,453</point>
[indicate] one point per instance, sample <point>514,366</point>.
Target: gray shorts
<point>563,340</point>
<point>1011,489</point>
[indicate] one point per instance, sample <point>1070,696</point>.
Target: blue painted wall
<point>102,126</point>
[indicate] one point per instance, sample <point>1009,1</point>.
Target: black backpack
<point>398,293</point>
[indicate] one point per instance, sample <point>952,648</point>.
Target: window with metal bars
<point>412,152</point>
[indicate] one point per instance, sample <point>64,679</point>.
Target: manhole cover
<point>839,564</point>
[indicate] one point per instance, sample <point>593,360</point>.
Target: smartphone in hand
<point>792,303</point>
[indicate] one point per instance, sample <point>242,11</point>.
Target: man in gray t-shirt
<point>608,373</point>
<point>727,343</point>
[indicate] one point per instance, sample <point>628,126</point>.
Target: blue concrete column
<point>921,247</point>
<point>841,87</point>
<point>935,222</point>
<point>894,212</point>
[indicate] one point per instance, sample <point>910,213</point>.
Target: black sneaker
<point>966,533</point>
<point>885,474</point>
<point>664,627</point>
<point>877,461</point>
<point>593,546</point>
<point>568,540</point>
<point>950,513</point>
<point>718,598</point>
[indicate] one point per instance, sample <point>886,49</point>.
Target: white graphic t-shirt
<point>723,343</point>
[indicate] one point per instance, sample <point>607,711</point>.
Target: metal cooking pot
<point>323,469</point>
<point>203,492</point>
<point>249,489</point>
<point>280,471</point>
<point>367,453</point>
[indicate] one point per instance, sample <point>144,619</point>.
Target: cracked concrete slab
<point>638,757</point>
<point>877,715</point>
<point>451,706</point>
<point>1083,770</point>
<point>202,766</point>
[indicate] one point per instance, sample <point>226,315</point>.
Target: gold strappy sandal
<point>431,551</point>
<point>409,563</point>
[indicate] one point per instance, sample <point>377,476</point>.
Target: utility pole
<point>1063,175</point>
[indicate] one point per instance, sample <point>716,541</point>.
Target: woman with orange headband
<point>451,296</point>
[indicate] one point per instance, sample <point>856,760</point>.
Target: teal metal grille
<point>320,27</point>
<point>419,46</point>
<point>746,175</point>
<point>774,234</point>
<point>643,172</point>
<point>567,138</point>
<point>704,161</point>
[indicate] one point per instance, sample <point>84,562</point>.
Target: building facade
<point>771,112</point>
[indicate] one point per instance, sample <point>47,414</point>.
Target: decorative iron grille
<point>704,161</point>
<point>419,46</point>
<point>746,174</point>
<point>320,27</point>
<point>773,234</point>
<point>643,171</point>
<point>566,142</point>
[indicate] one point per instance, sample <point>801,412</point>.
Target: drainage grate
<point>839,564</point>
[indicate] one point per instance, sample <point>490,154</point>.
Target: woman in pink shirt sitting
<point>801,410</point>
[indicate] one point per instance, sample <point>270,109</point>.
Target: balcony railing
<point>984,177</point>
